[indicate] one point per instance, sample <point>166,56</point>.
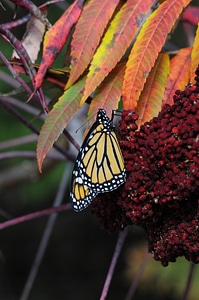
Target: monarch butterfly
<point>99,167</point>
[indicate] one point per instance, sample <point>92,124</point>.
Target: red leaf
<point>57,120</point>
<point>108,95</point>
<point>55,39</point>
<point>194,56</point>
<point>87,34</point>
<point>147,47</point>
<point>116,41</point>
<point>179,74</point>
<point>150,101</point>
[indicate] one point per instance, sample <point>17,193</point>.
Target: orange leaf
<point>55,39</point>
<point>57,119</point>
<point>149,42</point>
<point>150,101</point>
<point>87,34</point>
<point>179,74</point>
<point>117,39</point>
<point>109,92</point>
<point>194,56</point>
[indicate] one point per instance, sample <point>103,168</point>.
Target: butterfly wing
<point>99,167</point>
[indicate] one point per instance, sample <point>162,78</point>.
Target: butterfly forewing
<point>99,166</point>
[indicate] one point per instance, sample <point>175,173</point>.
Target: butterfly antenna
<point>86,122</point>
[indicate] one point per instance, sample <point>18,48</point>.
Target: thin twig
<point>16,23</point>
<point>19,104</point>
<point>45,238</point>
<point>33,9</point>
<point>33,128</point>
<point>8,79</point>
<point>29,154</point>
<point>118,247</point>
<point>18,141</point>
<point>189,281</point>
<point>25,19</point>
<point>31,216</point>
<point>21,51</point>
<point>14,74</point>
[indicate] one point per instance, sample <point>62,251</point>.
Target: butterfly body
<point>99,167</point>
